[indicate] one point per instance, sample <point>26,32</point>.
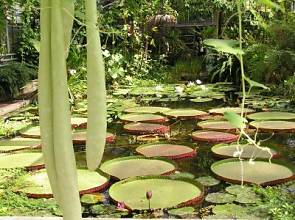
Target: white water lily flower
<point>190,84</point>
<point>199,82</point>
<point>72,71</point>
<point>179,89</point>
<point>159,88</point>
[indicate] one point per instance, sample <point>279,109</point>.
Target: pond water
<point>199,165</point>
<point>194,167</point>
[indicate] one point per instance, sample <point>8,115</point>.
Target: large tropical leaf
<point>225,46</point>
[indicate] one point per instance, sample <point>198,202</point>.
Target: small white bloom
<point>72,71</point>
<point>199,82</point>
<point>190,84</point>
<point>158,95</point>
<point>159,88</point>
<point>179,89</point>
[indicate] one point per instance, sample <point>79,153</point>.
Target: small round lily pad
<point>237,189</point>
<point>36,184</point>
<point>237,110</point>
<point>220,198</point>
<point>166,192</point>
<point>79,137</point>
<point>273,126</point>
<point>171,151</point>
<point>20,141</point>
<point>231,211</point>
<point>214,137</point>
<point>248,151</point>
<point>208,181</point>
<point>29,160</point>
<point>185,114</point>
<point>247,198</point>
<point>259,172</point>
<point>146,109</point>
<point>271,116</point>
<point>132,166</point>
<point>216,125</point>
<point>90,199</point>
<point>150,118</point>
<point>182,212</point>
<point>146,128</point>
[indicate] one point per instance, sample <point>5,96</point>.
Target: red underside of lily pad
<point>214,137</point>
<point>79,138</point>
<point>146,128</point>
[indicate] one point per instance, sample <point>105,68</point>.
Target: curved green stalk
<point>96,91</point>
<point>54,107</point>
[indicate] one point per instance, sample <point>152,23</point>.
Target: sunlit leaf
<point>255,84</point>
<point>225,46</point>
<point>271,4</point>
<point>235,120</point>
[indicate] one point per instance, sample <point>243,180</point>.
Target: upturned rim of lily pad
<point>237,180</point>
<point>143,117</point>
<point>185,114</point>
<point>110,137</point>
<point>215,150</point>
<point>94,188</point>
<point>139,128</point>
<point>217,125</point>
<point>187,151</point>
<point>237,110</point>
<point>273,126</point>
<point>146,109</point>
<point>221,137</point>
<point>169,171</point>
<point>271,116</point>
<point>193,201</point>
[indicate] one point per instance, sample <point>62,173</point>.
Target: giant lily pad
<point>19,141</point>
<point>32,160</point>
<point>272,116</point>
<point>32,132</point>
<point>125,167</point>
<point>216,125</point>
<point>273,126</point>
<point>166,192</point>
<point>259,172</point>
<point>79,137</point>
<point>146,109</point>
<point>237,110</point>
<point>249,151</point>
<point>146,128</point>
<point>151,118</point>
<point>214,136</point>
<point>185,114</point>
<point>36,185</point>
<point>171,151</point>
<point>79,122</point>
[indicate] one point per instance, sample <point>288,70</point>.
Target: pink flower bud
<point>149,194</point>
<point>121,206</point>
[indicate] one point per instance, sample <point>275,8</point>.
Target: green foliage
<point>279,202</point>
<point>13,77</point>
<point>15,204</point>
<point>187,69</point>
